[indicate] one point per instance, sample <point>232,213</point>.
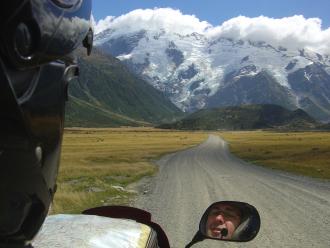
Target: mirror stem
<point>197,238</point>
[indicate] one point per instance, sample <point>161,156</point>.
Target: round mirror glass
<point>228,220</point>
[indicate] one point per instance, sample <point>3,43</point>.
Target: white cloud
<point>155,19</point>
<point>295,32</point>
<point>103,24</point>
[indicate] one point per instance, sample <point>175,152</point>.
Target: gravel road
<point>294,210</point>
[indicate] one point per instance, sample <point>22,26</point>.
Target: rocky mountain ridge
<point>198,72</point>
<point>246,117</point>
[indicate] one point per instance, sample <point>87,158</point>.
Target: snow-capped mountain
<point>198,71</point>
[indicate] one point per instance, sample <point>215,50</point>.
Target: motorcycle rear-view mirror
<point>230,221</point>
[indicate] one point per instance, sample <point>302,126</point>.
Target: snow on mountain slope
<point>191,67</point>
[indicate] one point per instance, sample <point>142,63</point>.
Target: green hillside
<point>108,95</point>
<point>246,117</point>
<point>85,114</point>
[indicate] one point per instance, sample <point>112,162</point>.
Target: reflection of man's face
<point>222,216</point>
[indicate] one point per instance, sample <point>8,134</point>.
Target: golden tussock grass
<point>96,161</point>
<point>305,153</point>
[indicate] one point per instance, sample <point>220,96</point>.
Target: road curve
<point>294,210</point>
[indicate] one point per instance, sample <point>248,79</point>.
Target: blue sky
<point>217,11</point>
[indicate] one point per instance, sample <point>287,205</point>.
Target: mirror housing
<point>230,221</point>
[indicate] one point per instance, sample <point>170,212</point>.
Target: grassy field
<point>98,164</point>
<point>305,153</point>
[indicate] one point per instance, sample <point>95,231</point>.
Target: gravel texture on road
<point>294,210</point>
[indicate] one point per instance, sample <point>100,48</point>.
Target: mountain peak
<point>194,67</point>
